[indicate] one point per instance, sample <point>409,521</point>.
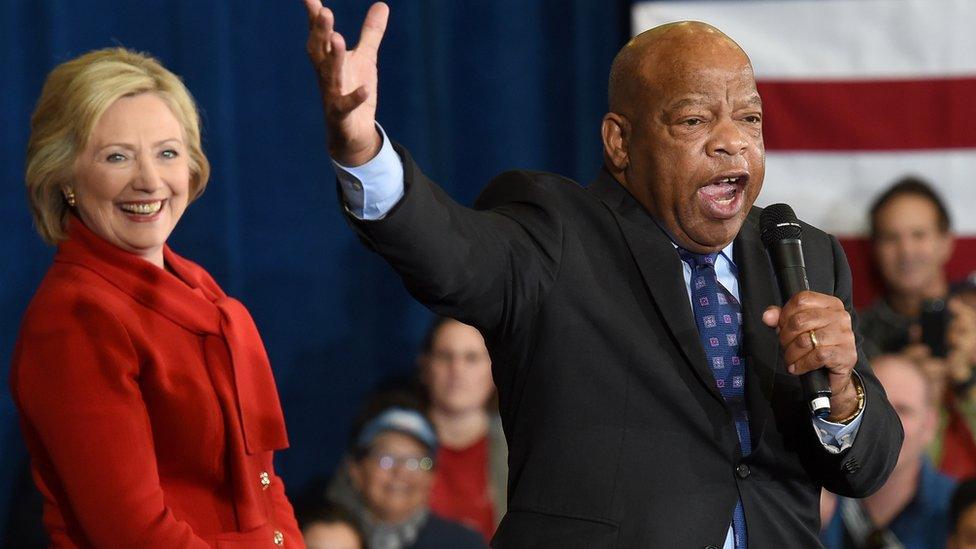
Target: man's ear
<point>616,137</point>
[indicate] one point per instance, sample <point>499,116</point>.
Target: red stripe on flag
<point>872,115</point>
<point>867,282</point>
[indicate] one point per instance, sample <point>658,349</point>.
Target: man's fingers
<point>345,104</point>
<point>820,357</point>
<point>832,344</point>
<point>374,26</point>
<point>812,300</point>
<point>335,58</point>
<point>312,8</point>
<point>801,316</point>
<point>963,316</point>
<point>825,357</point>
<point>320,35</point>
<point>803,344</point>
<point>770,316</point>
<point>800,324</point>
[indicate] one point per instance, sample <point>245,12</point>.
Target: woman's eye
<point>115,157</point>
<point>169,153</point>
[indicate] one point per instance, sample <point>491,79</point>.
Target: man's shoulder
<point>529,186</point>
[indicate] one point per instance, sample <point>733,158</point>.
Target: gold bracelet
<point>860,402</point>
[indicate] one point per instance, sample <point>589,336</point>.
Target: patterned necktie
<point>719,320</point>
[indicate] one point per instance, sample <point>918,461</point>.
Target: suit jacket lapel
<point>758,290</point>
<point>660,267</point>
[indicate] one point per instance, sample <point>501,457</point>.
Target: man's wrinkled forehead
<point>687,54</point>
<point>671,56</point>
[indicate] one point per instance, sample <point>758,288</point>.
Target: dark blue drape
<point>471,88</point>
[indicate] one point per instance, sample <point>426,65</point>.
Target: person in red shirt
<point>471,475</point>
<point>145,394</point>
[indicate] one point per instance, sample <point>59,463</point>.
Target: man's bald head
<point>652,53</point>
<point>910,393</point>
<point>684,132</point>
<point>896,367</point>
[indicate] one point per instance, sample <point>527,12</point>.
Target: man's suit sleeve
<point>864,468</point>
<point>490,266</point>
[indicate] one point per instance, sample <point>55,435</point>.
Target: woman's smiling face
<point>132,180</point>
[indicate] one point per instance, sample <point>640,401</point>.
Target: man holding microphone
<point>645,361</point>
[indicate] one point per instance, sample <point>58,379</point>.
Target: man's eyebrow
<point>754,101</point>
<point>686,102</point>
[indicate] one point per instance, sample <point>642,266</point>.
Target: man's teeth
<point>144,208</point>
<point>727,180</point>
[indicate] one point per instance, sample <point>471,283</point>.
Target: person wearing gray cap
<point>392,470</point>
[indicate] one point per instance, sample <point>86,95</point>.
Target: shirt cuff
<point>371,190</point>
<point>837,437</point>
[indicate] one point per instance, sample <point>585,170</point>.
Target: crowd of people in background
<point>920,336</point>
<point>427,463</point>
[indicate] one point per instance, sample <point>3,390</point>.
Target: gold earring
<point>69,195</point>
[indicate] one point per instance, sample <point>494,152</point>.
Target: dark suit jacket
<point>617,433</point>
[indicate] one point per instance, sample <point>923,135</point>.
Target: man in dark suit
<point>640,409</point>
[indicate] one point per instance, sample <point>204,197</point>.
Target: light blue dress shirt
<point>374,188</point>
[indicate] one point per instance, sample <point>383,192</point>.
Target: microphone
<point>780,232</point>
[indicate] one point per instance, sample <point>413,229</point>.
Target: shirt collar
<point>726,252</point>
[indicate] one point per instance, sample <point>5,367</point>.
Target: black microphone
<point>780,233</point>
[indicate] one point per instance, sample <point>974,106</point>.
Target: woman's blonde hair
<point>75,95</point>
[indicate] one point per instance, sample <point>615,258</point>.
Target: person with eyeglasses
<point>392,471</point>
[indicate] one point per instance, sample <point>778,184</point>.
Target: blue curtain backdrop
<point>471,88</point>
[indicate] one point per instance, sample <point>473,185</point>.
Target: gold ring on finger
<point>813,339</point>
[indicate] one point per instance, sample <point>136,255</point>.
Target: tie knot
<point>698,260</point>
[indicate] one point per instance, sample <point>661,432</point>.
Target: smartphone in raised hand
<point>933,319</point>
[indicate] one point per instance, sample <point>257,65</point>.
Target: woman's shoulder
<point>72,333</point>
<point>72,308</point>
<point>69,290</point>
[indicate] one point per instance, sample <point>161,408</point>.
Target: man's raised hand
<point>347,81</point>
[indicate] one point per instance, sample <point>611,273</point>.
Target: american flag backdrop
<point>857,93</point>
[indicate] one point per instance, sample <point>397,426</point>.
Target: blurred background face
<point>965,535</point>
<point>909,247</point>
<point>392,490</point>
<point>132,181</point>
<point>907,391</point>
<point>457,371</point>
<point>334,535</point>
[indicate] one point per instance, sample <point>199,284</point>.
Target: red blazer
<point>148,406</point>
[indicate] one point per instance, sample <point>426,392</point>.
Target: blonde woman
<point>146,397</point>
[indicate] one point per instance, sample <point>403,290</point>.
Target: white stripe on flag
<point>834,190</point>
<point>837,39</point>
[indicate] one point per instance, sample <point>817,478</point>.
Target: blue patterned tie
<point>719,320</point>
